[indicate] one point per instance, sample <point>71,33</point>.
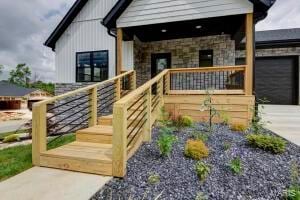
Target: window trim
<point>212,56</point>
<point>92,66</point>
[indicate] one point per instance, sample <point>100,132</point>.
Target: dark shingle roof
<point>278,35</point>
<point>11,90</point>
<point>261,8</point>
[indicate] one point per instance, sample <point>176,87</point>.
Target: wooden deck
<point>110,140</point>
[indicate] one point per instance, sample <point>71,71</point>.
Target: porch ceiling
<point>185,29</point>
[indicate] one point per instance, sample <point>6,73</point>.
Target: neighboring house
<point>277,65</point>
<point>98,39</point>
<point>16,97</point>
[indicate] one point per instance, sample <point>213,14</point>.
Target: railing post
<point>93,107</point>
<point>161,91</point>
<point>133,80</point>
<point>168,82</point>
<point>119,140</point>
<point>249,54</point>
<point>39,132</point>
<point>147,126</point>
<point>118,89</point>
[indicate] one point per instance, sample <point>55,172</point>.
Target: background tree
<point>47,87</point>
<point>1,69</point>
<point>21,75</point>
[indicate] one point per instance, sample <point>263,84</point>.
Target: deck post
<point>119,50</point>
<point>147,127</point>
<point>168,82</point>
<point>249,54</point>
<point>133,80</point>
<point>39,132</point>
<point>119,154</point>
<point>161,91</point>
<point>118,89</point>
<point>93,107</point>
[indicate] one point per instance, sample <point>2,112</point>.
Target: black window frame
<point>91,66</point>
<point>206,52</point>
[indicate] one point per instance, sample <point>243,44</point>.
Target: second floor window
<point>92,66</point>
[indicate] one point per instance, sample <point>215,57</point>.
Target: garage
<point>276,79</point>
<point>10,105</point>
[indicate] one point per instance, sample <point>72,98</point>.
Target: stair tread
<point>83,151</point>
<point>97,130</point>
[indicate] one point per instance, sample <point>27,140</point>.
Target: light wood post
<point>249,54</point>
<point>119,51</point>
<point>39,132</point>
<point>93,107</point>
<point>133,80</point>
<point>119,140</point>
<point>147,127</point>
<point>118,89</point>
<point>168,80</point>
<point>161,91</point>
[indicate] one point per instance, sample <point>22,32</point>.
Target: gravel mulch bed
<point>264,175</point>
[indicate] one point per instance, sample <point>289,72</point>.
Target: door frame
<point>155,56</point>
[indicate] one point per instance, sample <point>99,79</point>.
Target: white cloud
<point>283,14</point>
<point>24,26</point>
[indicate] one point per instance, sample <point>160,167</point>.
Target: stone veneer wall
<point>185,53</point>
<point>291,51</point>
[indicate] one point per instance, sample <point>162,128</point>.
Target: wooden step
<point>96,134</point>
<point>80,156</point>
<point>105,120</point>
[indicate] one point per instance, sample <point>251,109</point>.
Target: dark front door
<point>159,62</point>
<point>276,79</point>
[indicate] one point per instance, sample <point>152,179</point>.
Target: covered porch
<point>206,45</point>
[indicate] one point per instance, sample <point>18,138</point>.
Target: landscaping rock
<point>264,175</point>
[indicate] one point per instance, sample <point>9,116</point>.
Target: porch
<point>113,118</point>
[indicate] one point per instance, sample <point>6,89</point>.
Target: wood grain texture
<point>119,51</point>
<point>93,106</point>
<point>249,54</point>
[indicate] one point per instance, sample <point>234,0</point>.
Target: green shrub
<point>197,135</point>
<point>227,145</point>
<point>293,192</point>
<point>238,127</point>
<point>196,149</point>
<point>267,142</point>
<point>165,143</point>
<point>224,116</point>
<point>153,179</point>
<point>202,170</point>
<point>201,196</point>
<point>165,118</point>
<point>236,166</point>
<point>183,122</point>
<point>11,138</point>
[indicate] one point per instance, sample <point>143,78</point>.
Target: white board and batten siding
<point>86,33</point>
<point>144,12</point>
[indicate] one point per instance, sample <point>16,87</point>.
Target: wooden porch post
<point>119,51</point>
<point>249,54</point>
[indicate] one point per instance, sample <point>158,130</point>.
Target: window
<point>92,66</point>
<point>206,58</point>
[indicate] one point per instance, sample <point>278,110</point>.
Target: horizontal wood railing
<point>75,110</point>
<point>221,80</point>
<point>133,117</point>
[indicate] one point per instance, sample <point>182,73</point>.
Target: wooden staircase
<point>90,153</point>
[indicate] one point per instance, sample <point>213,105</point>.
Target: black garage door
<point>276,79</point>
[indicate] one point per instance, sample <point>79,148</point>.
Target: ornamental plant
<point>236,166</point>
<point>238,127</point>
<point>198,135</point>
<point>11,138</point>
<point>196,149</point>
<point>266,142</point>
<point>183,122</point>
<point>202,170</point>
<point>166,141</point>
<point>293,191</point>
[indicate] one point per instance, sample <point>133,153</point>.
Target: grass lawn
<point>18,159</point>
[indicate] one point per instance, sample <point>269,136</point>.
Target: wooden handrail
<point>142,88</point>
<point>84,89</point>
<point>209,69</point>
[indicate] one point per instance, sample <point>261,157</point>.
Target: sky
<point>26,24</point>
